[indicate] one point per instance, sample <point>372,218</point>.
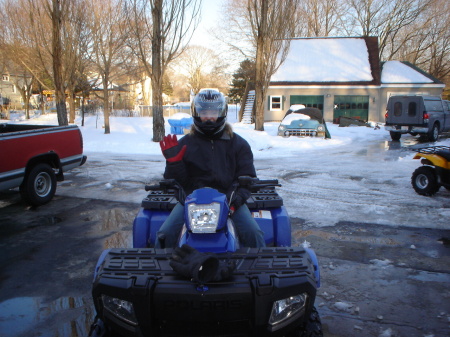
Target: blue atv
<point>266,292</point>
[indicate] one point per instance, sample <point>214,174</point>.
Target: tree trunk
<point>60,96</point>
<point>106,107</point>
<point>157,73</point>
<point>71,106</point>
<point>260,70</point>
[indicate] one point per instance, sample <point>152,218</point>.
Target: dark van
<point>417,115</point>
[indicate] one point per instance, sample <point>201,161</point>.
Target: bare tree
<point>318,17</point>
<point>425,42</point>
<point>272,35</point>
<point>202,68</point>
<point>47,45</point>
<point>57,12</point>
<point>106,26</point>
<point>159,32</point>
<point>27,42</point>
<point>383,18</point>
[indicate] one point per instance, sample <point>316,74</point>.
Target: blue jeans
<point>250,235</point>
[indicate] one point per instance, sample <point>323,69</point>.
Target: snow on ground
<point>358,175</point>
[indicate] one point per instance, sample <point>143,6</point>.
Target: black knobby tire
<point>313,327</point>
<point>39,185</point>
<point>395,135</point>
<point>433,135</point>
<point>424,181</point>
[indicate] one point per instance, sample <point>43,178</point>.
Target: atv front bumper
<point>272,292</point>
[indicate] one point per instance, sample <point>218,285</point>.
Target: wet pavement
<point>376,280</point>
<point>47,262</point>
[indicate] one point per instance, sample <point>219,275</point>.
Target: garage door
<point>308,101</point>
<point>351,106</point>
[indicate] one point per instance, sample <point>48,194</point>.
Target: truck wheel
<point>424,181</point>
<point>433,135</point>
<point>395,135</point>
<point>313,327</point>
<point>39,186</point>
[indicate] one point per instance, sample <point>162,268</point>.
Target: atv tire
<point>313,327</point>
<point>39,185</point>
<point>424,181</point>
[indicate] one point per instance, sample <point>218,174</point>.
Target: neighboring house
<point>10,97</point>
<point>343,77</point>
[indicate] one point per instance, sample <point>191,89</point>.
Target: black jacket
<point>213,163</point>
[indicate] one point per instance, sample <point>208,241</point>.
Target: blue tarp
<point>177,126</point>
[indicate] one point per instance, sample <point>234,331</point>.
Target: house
<point>10,97</point>
<point>343,77</point>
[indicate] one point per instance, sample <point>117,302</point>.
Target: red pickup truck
<point>35,157</point>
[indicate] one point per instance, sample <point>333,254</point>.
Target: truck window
<point>398,109</point>
<point>433,105</point>
<point>412,109</point>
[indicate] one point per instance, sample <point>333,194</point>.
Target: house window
<point>5,78</point>
<point>276,103</point>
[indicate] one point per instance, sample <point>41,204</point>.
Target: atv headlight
<point>204,218</point>
<point>287,308</point>
<point>120,308</point>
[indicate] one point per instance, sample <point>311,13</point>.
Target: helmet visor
<point>208,113</point>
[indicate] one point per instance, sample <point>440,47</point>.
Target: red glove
<point>170,149</point>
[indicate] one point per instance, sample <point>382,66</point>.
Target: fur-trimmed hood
<point>227,131</point>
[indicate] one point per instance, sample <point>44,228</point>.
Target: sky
<point>358,175</point>
<point>210,14</point>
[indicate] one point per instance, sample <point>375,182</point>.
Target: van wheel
<point>424,181</point>
<point>395,135</point>
<point>433,135</point>
<point>39,186</point>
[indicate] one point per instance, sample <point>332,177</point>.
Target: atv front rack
<point>167,304</point>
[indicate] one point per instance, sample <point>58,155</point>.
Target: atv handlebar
<point>164,185</point>
<point>256,184</point>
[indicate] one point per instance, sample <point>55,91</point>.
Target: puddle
<point>119,240</point>
<point>117,218</point>
<point>22,314</point>
<point>300,234</point>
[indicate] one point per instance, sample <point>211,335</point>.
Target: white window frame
<point>272,103</point>
<point>5,78</point>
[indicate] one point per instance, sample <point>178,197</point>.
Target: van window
<point>412,109</point>
<point>398,109</point>
<point>433,105</point>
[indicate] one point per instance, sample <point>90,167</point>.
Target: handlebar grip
<point>152,188</point>
<point>268,182</point>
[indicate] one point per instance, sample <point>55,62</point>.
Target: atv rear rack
<point>167,199</point>
<point>432,149</point>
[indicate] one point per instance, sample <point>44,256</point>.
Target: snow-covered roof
<point>398,72</point>
<point>326,60</point>
<point>344,61</point>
